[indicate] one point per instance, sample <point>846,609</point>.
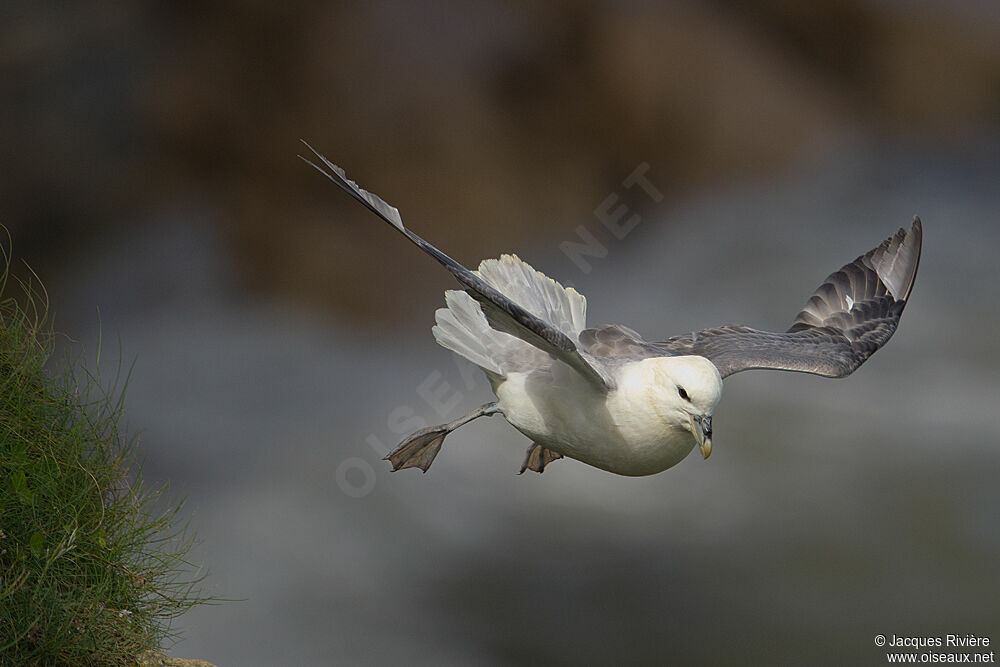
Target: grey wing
<point>616,341</point>
<point>501,312</point>
<point>850,316</point>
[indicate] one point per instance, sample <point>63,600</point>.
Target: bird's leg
<point>419,449</point>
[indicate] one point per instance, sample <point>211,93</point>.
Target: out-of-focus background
<point>281,334</point>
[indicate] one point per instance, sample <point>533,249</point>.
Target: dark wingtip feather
<point>369,200</point>
<point>890,267</point>
<point>917,236</point>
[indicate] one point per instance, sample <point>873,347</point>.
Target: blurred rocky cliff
<point>488,124</point>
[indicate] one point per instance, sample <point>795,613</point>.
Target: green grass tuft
<point>91,572</point>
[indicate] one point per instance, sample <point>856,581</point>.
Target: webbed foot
<point>537,457</point>
<point>419,449</point>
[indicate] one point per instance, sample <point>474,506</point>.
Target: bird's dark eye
<point>683,393</point>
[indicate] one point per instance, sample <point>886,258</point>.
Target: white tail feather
<point>540,295</point>
<point>463,329</point>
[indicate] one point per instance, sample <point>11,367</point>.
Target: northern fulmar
<point>603,395</point>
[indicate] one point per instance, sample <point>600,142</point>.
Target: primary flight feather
<point>603,395</point>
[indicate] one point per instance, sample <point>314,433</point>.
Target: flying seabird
<point>603,395</point>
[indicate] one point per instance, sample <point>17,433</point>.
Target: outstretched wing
<point>852,314</point>
<point>617,341</point>
<point>502,313</point>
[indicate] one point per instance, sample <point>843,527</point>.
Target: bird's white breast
<point>620,431</point>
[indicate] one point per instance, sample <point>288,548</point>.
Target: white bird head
<point>684,393</point>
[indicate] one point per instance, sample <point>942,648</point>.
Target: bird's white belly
<point>562,412</point>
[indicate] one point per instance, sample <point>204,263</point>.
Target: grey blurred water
<point>831,511</point>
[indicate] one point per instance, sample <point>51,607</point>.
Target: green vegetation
<point>91,572</point>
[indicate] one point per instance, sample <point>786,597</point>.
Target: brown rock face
<point>492,127</point>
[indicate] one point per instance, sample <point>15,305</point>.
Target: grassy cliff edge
<point>93,569</point>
